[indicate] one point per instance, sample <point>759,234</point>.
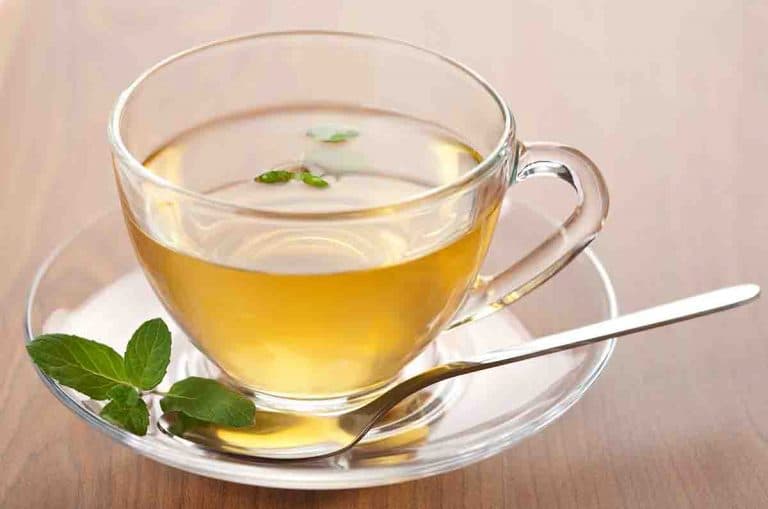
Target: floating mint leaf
<point>133,417</point>
<point>123,394</point>
<point>210,401</point>
<point>148,354</point>
<point>313,180</point>
<point>332,133</point>
<point>274,176</point>
<point>298,173</point>
<point>84,365</point>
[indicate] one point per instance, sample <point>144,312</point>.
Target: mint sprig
<point>300,173</point>
<point>99,372</point>
<point>327,133</point>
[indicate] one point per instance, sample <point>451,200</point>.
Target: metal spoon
<point>283,435</point>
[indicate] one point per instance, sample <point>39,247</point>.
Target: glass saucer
<point>92,286</point>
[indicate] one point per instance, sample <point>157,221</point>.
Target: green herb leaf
<point>148,354</point>
<point>274,176</point>
<point>179,423</point>
<point>210,401</point>
<point>133,417</point>
<point>86,366</point>
<point>123,394</point>
<point>332,133</point>
<point>313,180</point>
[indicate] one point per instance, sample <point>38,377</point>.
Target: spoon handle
<point>657,316</point>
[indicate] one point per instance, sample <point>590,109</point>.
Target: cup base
<point>411,414</point>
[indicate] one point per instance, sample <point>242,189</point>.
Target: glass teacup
<point>313,208</point>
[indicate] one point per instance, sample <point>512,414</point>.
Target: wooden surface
<point>668,97</point>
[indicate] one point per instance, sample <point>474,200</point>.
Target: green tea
<point>310,309</point>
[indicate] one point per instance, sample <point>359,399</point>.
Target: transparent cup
<point>302,339</point>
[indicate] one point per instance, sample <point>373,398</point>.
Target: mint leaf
<point>133,417</point>
<point>148,354</point>
<point>274,176</point>
<point>313,180</point>
<point>300,173</point>
<point>84,365</point>
<point>123,394</point>
<point>332,133</point>
<point>179,423</point>
<point>210,401</point>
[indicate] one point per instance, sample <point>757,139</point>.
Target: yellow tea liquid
<point>313,309</point>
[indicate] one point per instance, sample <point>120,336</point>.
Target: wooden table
<point>669,97</point>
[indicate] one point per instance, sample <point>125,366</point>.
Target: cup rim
<point>129,161</point>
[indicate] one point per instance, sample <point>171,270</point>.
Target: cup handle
<point>541,159</point>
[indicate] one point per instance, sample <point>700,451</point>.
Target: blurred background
<point>669,98</point>
<point>664,96</point>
